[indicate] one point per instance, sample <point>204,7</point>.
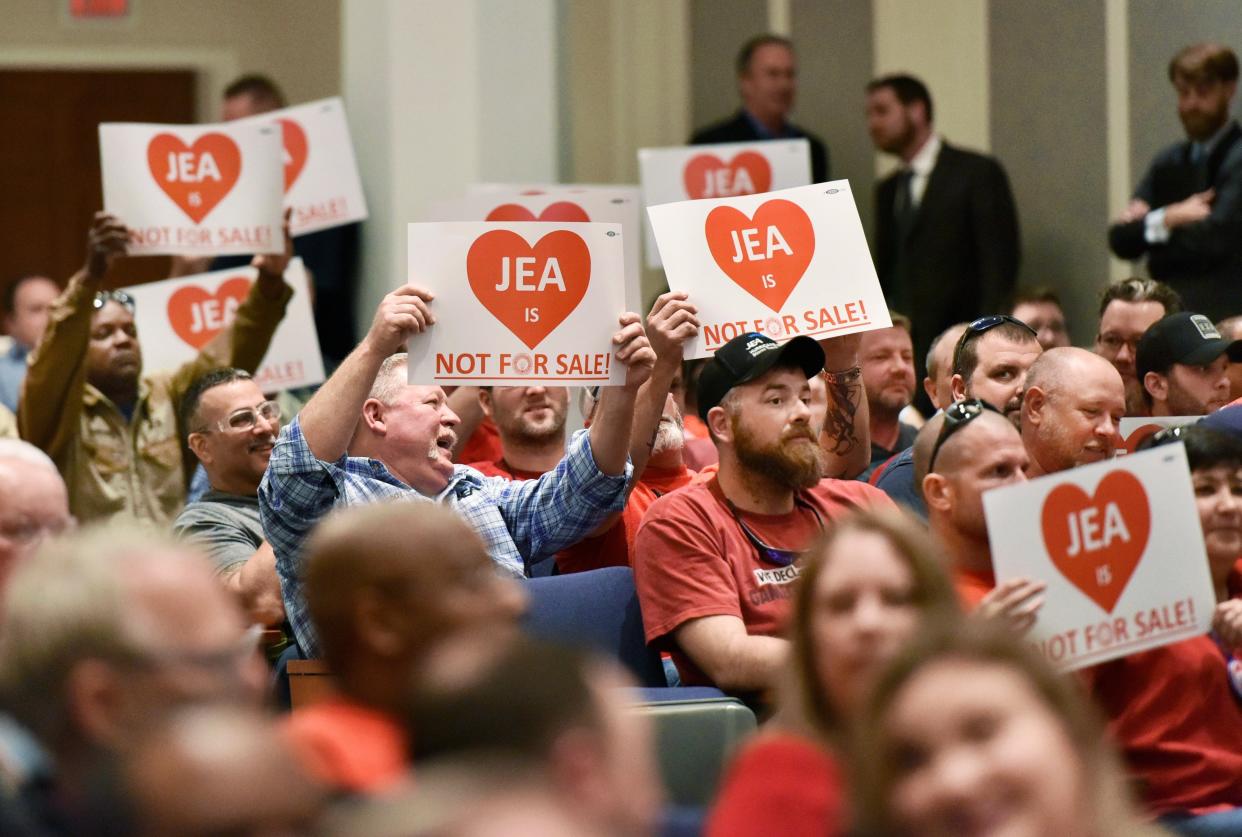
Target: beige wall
<point>296,42</point>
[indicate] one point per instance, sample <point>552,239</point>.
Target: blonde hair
<point>388,380</point>
<point>986,643</point>
<point>804,705</point>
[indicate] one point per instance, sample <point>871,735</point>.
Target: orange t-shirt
<point>484,444</point>
<point>350,746</point>
<point>692,559</point>
<point>615,548</point>
<point>972,586</point>
<point>499,468</point>
<point>780,784</point>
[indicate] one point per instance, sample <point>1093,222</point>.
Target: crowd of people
<point>802,537</point>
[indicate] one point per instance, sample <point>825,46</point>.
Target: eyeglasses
<point>772,554</point>
<point>247,417</point>
<point>1114,343</point>
<point>103,297</point>
<point>982,326</point>
<point>956,416</point>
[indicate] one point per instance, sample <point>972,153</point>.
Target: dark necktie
<point>903,205</point>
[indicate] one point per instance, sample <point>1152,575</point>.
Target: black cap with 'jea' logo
<point>1182,338</point>
<point>748,356</point>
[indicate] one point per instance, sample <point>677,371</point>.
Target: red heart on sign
<point>198,176</point>
<point>531,298</point>
<point>559,211</point>
<point>198,316</point>
<point>1138,434</point>
<point>1096,542</point>
<point>294,139</point>
<point>707,176</point>
<point>766,256</point>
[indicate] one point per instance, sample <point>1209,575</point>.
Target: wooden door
<point>49,161</point>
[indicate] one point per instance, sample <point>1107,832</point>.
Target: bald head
<point>385,581</point>
<point>939,378</point>
<point>34,502</point>
<point>1071,410</point>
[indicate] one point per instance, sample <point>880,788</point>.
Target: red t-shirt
<point>1178,724</point>
<point>350,746</point>
<point>692,559</point>
<point>972,586</point>
<point>499,468</point>
<point>780,784</point>
<point>483,445</point>
<point>615,548</point>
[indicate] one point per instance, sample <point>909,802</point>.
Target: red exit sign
<point>86,9</point>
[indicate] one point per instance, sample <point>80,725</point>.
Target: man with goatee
<point>716,561</point>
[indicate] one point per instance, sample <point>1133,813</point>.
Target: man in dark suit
<point>767,78</point>
<point>946,230</point>
<point>1186,214</point>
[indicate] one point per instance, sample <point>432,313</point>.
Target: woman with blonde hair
<point>865,589</point>
<point>972,733</point>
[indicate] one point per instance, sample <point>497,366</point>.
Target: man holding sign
<point>112,431</point>
<point>715,562</point>
<point>369,435</point>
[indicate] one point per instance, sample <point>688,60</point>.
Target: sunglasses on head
<point>771,554</point>
<point>103,297</point>
<point>956,416</point>
<point>982,326</point>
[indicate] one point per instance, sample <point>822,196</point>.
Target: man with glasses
<point>104,633</point>
<point>1127,309</point>
<point>111,430</point>
<point>961,454</point>
<point>232,428</point>
<point>715,562</point>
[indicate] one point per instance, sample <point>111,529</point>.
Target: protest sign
<point>1120,548</point>
<point>721,170</point>
<point>606,205</point>
<point>1134,429</point>
<point>176,318</point>
<point>194,190</point>
<point>786,263</point>
<point>518,303</point>
<point>321,180</point>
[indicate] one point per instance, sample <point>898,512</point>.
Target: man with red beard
<point>531,424</point>
<point>1071,411</point>
<point>887,360</point>
<point>716,562</point>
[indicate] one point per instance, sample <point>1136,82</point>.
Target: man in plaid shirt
<point>367,435</point>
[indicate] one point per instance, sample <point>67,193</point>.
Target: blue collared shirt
<point>788,131</point>
<point>12,373</point>
<point>520,522</point>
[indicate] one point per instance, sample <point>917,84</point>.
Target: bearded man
<point>715,562</point>
<point>531,424</point>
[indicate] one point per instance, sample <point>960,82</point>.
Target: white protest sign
<point>1120,547</point>
<point>605,205</point>
<point>177,317</point>
<point>1134,429</point>
<point>786,263</point>
<point>723,170</point>
<point>518,303</point>
<point>194,190</point>
<point>321,180</point>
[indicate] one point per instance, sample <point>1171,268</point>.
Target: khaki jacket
<point>112,466</point>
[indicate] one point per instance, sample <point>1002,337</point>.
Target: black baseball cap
<point>748,356</point>
<point>1182,338</point>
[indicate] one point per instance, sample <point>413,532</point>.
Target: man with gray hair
<point>369,435</point>
<point>102,633</point>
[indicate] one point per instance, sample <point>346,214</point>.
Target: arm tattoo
<point>843,400</point>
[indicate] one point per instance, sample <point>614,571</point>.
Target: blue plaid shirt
<point>520,522</point>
